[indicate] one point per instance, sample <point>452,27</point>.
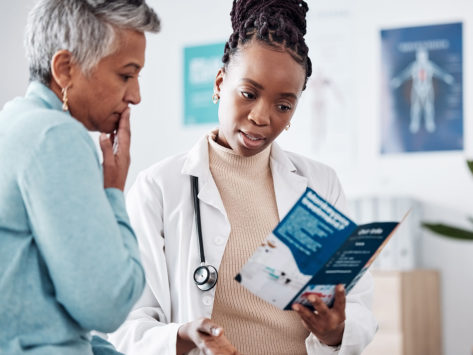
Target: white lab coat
<point>162,213</point>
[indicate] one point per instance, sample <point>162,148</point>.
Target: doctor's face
<point>258,92</point>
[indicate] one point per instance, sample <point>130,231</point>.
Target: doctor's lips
<point>251,140</point>
<point>253,136</point>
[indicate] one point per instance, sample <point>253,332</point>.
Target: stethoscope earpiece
<point>205,276</point>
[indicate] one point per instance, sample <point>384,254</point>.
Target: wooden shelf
<point>407,307</point>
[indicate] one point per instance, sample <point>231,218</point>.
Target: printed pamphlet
<point>313,249</point>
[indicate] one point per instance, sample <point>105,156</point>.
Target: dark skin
<point>259,92</point>
<point>327,324</point>
<point>258,96</point>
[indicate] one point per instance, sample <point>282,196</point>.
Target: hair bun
<point>279,23</point>
<point>290,10</point>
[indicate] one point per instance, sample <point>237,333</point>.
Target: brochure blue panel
<point>314,248</point>
<point>201,64</point>
<point>313,230</point>
<point>422,89</point>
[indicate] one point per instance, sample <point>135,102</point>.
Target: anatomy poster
<point>422,89</point>
<point>330,89</point>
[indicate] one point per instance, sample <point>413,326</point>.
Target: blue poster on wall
<point>201,64</point>
<point>422,89</point>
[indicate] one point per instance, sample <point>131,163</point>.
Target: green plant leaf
<point>449,231</point>
<point>470,165</point>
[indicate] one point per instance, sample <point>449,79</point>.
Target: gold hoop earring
<point>215,98</point>
<point>288,126</point>
<point>65,105</point>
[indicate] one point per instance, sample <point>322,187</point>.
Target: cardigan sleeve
<point>81,230</point>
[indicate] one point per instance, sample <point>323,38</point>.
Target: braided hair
<point>280,24</point>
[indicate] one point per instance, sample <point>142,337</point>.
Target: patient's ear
<point>61,69</point>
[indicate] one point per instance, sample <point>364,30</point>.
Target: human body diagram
<point>422,71</point>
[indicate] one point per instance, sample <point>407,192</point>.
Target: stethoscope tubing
<point>210,272</point>
<point>195,192</point>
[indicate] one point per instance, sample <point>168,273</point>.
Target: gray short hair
<point>86,28</point>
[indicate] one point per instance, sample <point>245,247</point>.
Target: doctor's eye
<point>248,95</point>
<point>284,108</point>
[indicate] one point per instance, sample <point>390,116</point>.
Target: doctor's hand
<point>116,153</point>
<point>327,324</point>
<point>205,335</point>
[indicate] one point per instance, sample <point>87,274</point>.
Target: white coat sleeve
<point>147,329</point>
<point>360,324</point>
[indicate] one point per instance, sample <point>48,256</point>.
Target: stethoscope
<point>205,276</point>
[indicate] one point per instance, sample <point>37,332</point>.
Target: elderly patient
<point>69,260</point>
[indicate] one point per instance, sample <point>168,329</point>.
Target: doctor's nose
<point>259,114</point>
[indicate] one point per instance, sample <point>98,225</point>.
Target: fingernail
<point>216,331</point>
<point>296,307</point>
<point>115,145</point>
<point>341,287</point>
<point>312,298</point>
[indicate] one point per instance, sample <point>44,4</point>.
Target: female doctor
<point>246,184</point>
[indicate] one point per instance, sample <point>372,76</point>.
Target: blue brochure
<point>313,249</point>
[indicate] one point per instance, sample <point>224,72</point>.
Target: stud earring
<point>288,126</point>
<point>65,106</point>
<point>215,98</point>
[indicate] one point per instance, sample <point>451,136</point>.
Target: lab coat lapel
<point>209,194</point>
<point>288,184</point>
<point>197,164</point>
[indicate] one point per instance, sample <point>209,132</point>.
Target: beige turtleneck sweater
<point>251,324</point>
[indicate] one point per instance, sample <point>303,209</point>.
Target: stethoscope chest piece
<point>205,277</point>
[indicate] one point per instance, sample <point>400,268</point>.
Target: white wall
<point>157,128</point>
<point>12,56</point>
<point>438,177</point>
<point>157,121</point>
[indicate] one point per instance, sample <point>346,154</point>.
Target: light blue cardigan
<point>69,260</point>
